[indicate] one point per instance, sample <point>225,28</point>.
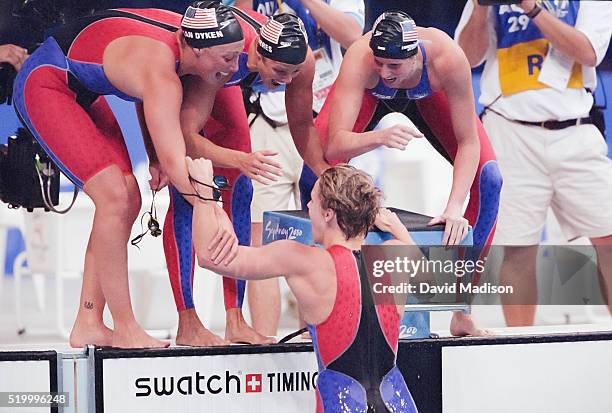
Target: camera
<point>498,2</point>
<point>28,177</point>
<point>7,77</point>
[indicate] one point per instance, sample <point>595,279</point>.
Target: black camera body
<point>25,172</point>
<point>7,77</point>
<point>498,2</point>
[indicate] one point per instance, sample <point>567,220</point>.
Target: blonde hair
<point>351,194</point>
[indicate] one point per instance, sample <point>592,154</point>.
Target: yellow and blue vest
<point>522,48</point>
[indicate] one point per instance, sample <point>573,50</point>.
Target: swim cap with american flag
<point>394,36</point>
<point>283,39</point>
<point>208,24</point>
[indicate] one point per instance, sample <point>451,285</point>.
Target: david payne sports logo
<point>227,383</point>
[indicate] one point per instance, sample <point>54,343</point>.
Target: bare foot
<point>135,337</point>
<point>83,334</point>
<point>238,331</point>
<point>463,325</point>
<point>199,337</point>
<point>191,332</point>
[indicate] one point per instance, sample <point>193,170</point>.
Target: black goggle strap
<point>203,198</point>
<point>152,225</point>
<point>220,183</point>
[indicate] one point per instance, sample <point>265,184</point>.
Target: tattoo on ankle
<point>88,305</point>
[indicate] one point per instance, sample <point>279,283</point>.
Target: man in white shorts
<point>332,25</point>
<point>540,60</point>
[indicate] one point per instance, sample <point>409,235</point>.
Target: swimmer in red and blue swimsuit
<point>424,75</point>
<point>138,55</point>
<point>356,346</point>
<point>226,127</point>
<point>291,67</point>
<point>355,336</point>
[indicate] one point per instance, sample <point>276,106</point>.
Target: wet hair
<point>351,194</point>
<point>283,39</point>
<point>210,23</point>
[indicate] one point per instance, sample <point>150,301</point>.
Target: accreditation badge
<point>323,78</point>
<point>520,67</point>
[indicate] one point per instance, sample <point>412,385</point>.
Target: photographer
<point>14,55</point>
<point>537,84</point>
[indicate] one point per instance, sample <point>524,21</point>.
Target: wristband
<point>534,12</point>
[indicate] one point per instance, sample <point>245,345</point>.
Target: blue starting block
<point>295,225</point>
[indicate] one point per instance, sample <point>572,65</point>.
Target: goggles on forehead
<point>394,50</point>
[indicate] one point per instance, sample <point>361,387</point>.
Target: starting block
<point>295,225</point>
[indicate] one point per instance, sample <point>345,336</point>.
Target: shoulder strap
<point>248,81</point>
<point>122,13</point>
<point>246,18</point>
